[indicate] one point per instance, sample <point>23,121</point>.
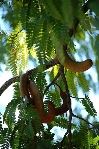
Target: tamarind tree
<point>39,49</point>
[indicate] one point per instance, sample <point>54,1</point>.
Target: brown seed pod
<point>49,117</point>
<point>64,107</point>
<point>24,85</point>
<point>36,95</point>
<point>71,64</point>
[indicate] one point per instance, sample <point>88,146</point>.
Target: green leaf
<point>95,7</point>
<point>89,106</point>
<point>29,131</point>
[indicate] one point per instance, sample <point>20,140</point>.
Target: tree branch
<point>50,64</point>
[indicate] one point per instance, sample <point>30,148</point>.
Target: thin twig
<point>53,82</point>
<point>82,119</point>
<point>96,126</point>
<point>63,139</point>
<point>69,105</point>
<point>77,97</point>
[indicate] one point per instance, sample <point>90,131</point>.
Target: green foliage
<point>61,122</point>
<point>83,82</point>
<point>3,37</point>
<point>72,85</point>
<point>38,28</point>
<point>17,52</point>
<point>81,135</point>
<point>10,112</point>
<point>89,106</point>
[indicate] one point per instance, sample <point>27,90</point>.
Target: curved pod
<point>24,85</point>
<point>71,64</point>
<point>36,95</point>
<point>64,107</point>
<point>49,117</point>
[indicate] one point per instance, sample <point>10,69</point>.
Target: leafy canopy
<point>38,27</point>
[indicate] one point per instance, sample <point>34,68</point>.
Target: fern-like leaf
<point>89,106</point>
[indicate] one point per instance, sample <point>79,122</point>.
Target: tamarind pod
<point>51,109</point>
<point>24,85</point>
<point>64,107</point>
<point>71,64</point>
<point>49,117</point>
<point>36,95</point>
